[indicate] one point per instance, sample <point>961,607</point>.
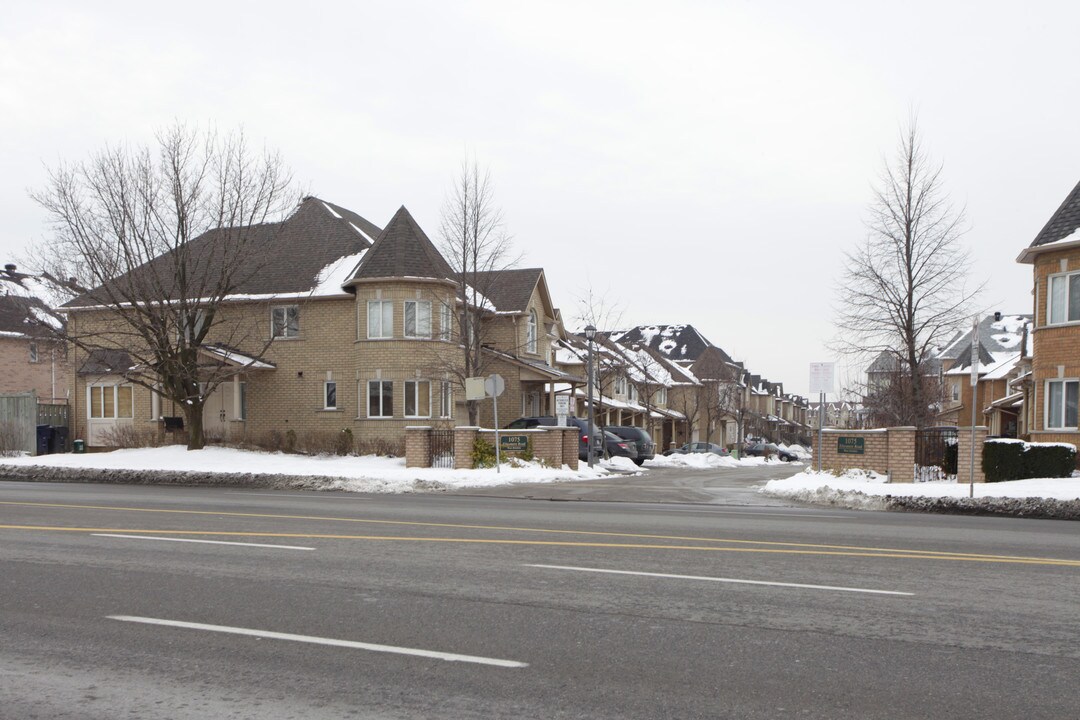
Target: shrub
<point>1016,460</point>
<point>127,437</point>
<point>344,444</point>
<point>483,453</point>
<point>290,441</point>
<point>950,463</point>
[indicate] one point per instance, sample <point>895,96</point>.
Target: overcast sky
<point>700,162</point>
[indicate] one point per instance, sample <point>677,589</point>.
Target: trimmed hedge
<point>1017,460</point>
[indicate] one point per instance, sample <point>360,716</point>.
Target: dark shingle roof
<point>508,290</point>
<point>403,250</point>
<point>24,315</point>
<point>103,361</point>
<point>1063,222</point>
<point>289,254</point>
<point>675,342</point>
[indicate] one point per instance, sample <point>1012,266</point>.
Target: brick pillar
<point>902,454</point>
<point>963,458</point>
<point>464,437</point>
<point>570,447</point>
<point>417,447</point>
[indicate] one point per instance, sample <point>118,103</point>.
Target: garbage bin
<point>58,443</point>
<point>78,446</point>
<point>44,435</point>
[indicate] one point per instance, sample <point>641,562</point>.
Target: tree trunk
<point>193,416</point>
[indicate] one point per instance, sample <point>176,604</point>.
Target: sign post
<point>494,387</point>
<point>562,409</point>
<point>974,395</point>
<point>822,381</point>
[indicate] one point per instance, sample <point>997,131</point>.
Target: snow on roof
<point>238,358</point>
<point>330,279</point>
<point>357,228</point>
<point>333,212</point>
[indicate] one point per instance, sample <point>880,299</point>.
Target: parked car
<point>614,446</point>
<point>643,442</point>
<point>699,447</point>
<point>764,449</point>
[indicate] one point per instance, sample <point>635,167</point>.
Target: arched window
<point>530,332</point>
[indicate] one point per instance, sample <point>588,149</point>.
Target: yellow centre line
<point>853,550</point>
<point>549,543</point>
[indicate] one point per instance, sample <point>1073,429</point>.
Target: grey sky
<point>695,162</point>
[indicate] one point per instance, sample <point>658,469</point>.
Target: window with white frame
<point>620,385</point>
<point>1064,298</point>
<point>417,398</point>
<point>243,401</point>
<point>380,397</point>
<point>631,393</point>
<point>661,396</point>
<point>954,387</point>
<point>192,323</point>
<point>33,352</point>
<point>446,321</point>
<point>530,332</point>
<point>1062,403</point>
<point>446,399</point>
<point>380,319</point>
<point>110,402</point>
<point>330,395</point>
<point>417,319</point>
<point>284,321</point>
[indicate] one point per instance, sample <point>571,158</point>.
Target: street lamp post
<point>590,335</point>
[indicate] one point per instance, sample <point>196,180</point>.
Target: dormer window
<point>530,332</point>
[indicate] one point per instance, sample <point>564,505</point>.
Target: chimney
<point>10,268</point>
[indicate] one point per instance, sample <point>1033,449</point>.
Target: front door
<point>216,413</point>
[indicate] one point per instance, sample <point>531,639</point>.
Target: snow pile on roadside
<point>703,461</point>
<point>368,473</point>
<point>812,486</point>
<point>799,451</point>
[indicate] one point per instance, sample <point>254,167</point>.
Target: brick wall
<point>875,451</point>
<point>1055,349</point>
<point>48,376</point>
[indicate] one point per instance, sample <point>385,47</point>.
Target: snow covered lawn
<point>357,474</point>
<point>811,485</point>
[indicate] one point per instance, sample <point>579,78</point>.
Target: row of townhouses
<point>347,325</point>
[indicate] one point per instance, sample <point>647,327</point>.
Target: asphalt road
<point>453,606</point>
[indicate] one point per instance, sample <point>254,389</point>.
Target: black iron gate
<point>442,449</point>
<point>935,454</point>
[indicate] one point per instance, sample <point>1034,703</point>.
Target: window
<point>33,353</point>
<point>1062,402</point>
<point>446,399</point>
<point>417,398</point>
<point>380,319</point>
<point>631,393</point>
<point>661,396</point>
<point>620,385</point>
<point>193,324</point>
<point>445,322</point>
<point>330,395</point>
<point>243,401</point>
<point>380,396</point>
<point>1064,298</point>
<point>955,388</point>
<point>417,319</point>
<point>284,321</point>
<point>109,402</point>
<point>530,332</point>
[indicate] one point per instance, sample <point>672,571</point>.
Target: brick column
<point>570,447</point>
<point>902,454</point>
<point>464,436</point>
<point>963,457</point>
<point>417,447</point>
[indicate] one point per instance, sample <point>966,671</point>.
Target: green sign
<point>514,443</point>
<point>851,445</point>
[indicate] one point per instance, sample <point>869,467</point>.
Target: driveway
<point>720,486</point>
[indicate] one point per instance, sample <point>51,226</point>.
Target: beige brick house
<point>1052,391</point>
<point>31,358</point>
<point>346,326</point>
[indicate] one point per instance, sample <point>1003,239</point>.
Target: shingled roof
<point>681,343</point>
<point>403,250</point>
<point>1063,222</point>
<point>509,290</point>
<point>291,255</point>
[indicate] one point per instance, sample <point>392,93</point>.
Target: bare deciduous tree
<point>122,223</point>
<point>904,289</point>
<point>474,241</point>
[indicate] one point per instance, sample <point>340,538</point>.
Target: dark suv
<point>643,442</point>
<point>614,446</point>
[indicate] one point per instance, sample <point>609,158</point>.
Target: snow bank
<point>704,461</point>
<point>811,486</point>
<point>357,474</point>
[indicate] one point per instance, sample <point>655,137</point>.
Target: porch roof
<point>231,356</point>
<point>537,366</point>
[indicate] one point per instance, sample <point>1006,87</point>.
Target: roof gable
<point>1064,221</point>
<point>403,250</point>
<point>675,342</point>
<point>511,290</point>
